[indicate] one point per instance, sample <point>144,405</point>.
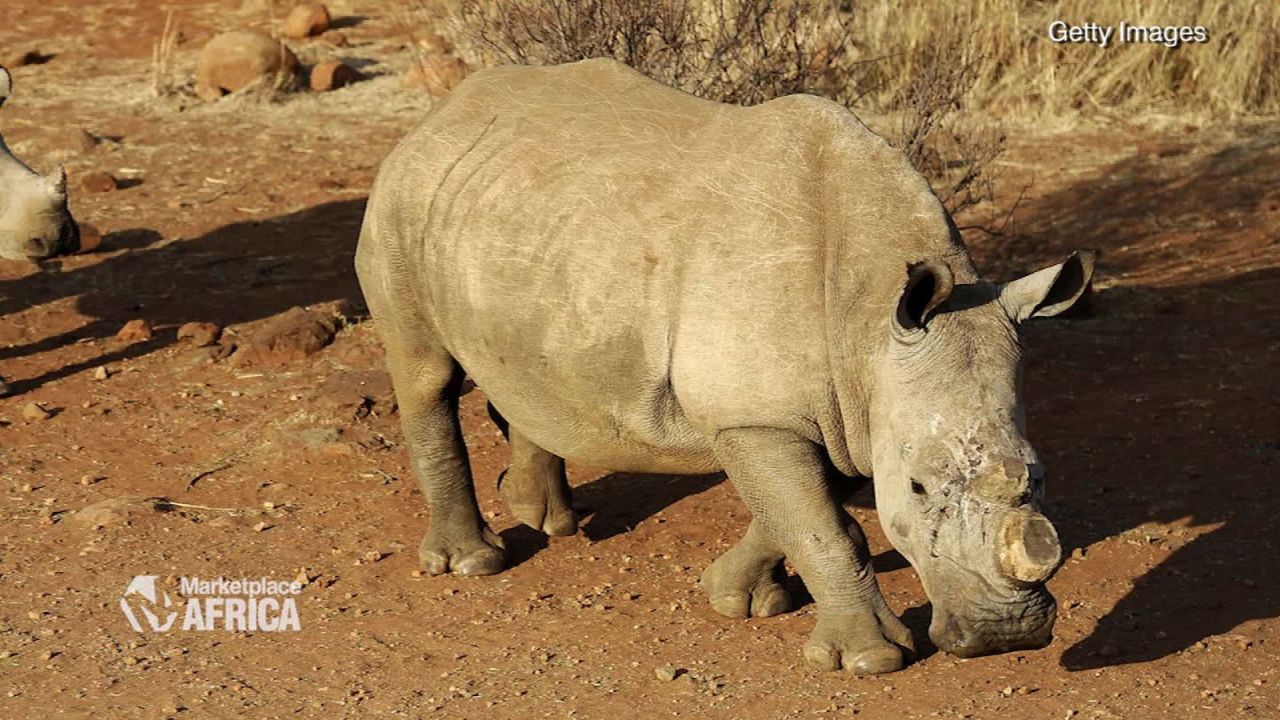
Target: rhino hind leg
<point>744,582</point>
<point>428,385</point>
<point>535,487</point>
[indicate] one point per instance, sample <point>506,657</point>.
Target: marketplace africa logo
<point>241,605</point>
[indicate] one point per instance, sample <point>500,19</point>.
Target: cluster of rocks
<point>240,59</point>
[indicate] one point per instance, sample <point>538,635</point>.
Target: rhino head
<point>958,487</point>
<point>34,220</point>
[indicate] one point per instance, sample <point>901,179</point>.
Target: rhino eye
<point>917,488</point>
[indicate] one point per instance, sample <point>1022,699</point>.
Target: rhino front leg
<point>743,582</point>
<point>780,477</point>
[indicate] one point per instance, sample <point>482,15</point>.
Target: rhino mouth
<point>1021,623</point>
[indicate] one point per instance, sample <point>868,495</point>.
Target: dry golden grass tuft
<point>1019,71</point>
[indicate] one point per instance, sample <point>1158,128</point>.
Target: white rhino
<point>646,281</point>
<point>34,220</point>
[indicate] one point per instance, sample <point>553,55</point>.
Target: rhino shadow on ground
<point>234,274</point>
<point>618,502</point>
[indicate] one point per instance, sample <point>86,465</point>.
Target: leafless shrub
<point>749,51</point>
<point>959,162</point>
<point>734,51</point>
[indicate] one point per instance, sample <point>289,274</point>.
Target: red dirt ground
<point>1156,413</point>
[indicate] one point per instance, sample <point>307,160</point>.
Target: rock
<point>98,181</point>
<point>33,412</point>
<point>666,673</point>
<point>201,334</point>
<point>112,511</point>
<point>235,60</point>
<point>356,393</point>
<point>439,74</point>
<point>333,74</point>
<point>336,38</point>
<point>435,44</point>
<point>82,140</point>
<point>306,20</point>
<point>90,238</point>
<point>136,330</point>
<point>101,373</point>
<point>1077,554</point>
<point>290,336</point>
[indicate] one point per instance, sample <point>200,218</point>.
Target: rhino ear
<point>6,85</point>
<point>58,181</point>
<point>929,284</point>
<point>1050,291</point>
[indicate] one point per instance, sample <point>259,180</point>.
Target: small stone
<point>136,330</point>
<point>305,20</point>
<point>372,556</point>
<point>101,373</point>
<point>235,60</point>
<point>288,337</point>
<point>1077,554</point>
<point>336,38</point>
<point>33,412</point>
<point>131,660</point>
<point>439,74</point>
<point>303,579</point>
<point>202,334</point>
<point>666,673</point>
<point>83,140</point>
<point>88,479</point>
<point>5,654</point>
<point>261,526</point>
<point>99,181</point>
<point>333,74</point>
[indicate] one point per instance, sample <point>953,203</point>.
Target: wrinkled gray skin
<point>34,220</point>
<point>644,281</point>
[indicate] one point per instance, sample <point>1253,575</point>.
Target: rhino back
<point>622,267</point>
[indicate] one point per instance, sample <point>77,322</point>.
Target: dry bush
<point>958,160</point>
<point>746,52</point>
<point>734,51</point>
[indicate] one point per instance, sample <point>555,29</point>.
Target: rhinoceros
<point>646,281</point>
<point>34,220</point>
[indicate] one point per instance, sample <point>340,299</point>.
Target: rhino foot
<point>540,504</point>
<point>439,554</point>
<point>744,581</point>
<point>862,643</point>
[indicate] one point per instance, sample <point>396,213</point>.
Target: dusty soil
<point>1156,413</point>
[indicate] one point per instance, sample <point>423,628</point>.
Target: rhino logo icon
<point>142,591</point>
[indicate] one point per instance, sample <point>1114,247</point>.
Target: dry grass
<point>1019,72</point>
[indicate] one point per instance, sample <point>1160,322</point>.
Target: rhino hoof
<point>766,600</point>
<point>484,556</point>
